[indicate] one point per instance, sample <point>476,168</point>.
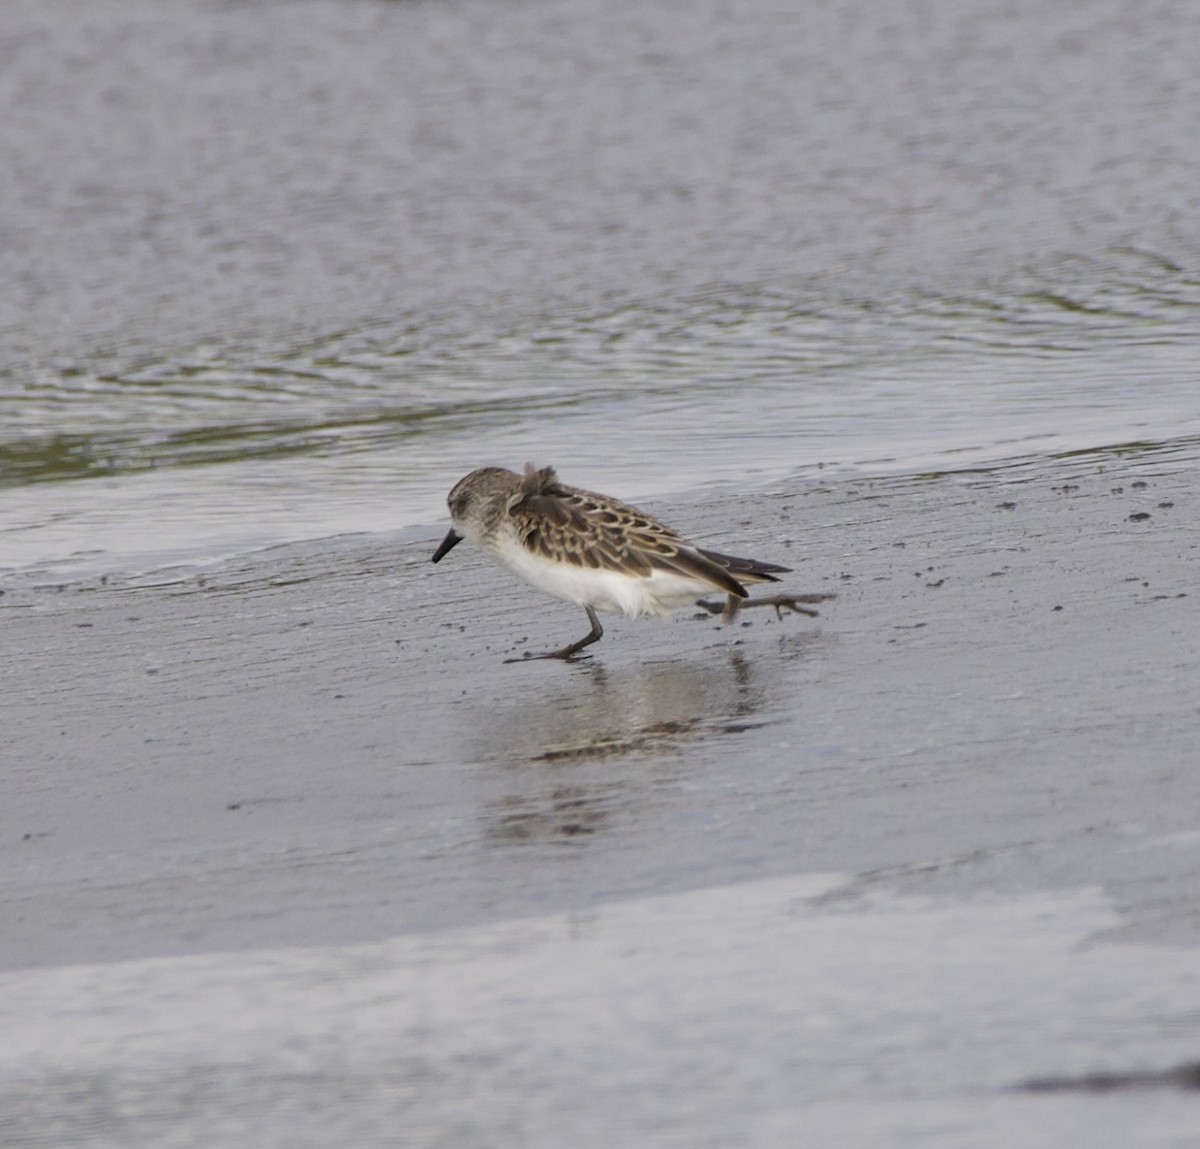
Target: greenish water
<point>200,454</point>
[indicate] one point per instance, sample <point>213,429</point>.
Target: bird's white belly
<point>606,590</point>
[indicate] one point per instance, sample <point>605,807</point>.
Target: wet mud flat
<point>320,747</point>
<point>1010,662</point>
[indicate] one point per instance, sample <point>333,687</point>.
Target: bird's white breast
<point>607,590</point>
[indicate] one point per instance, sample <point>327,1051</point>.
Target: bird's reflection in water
<point>566,755</point>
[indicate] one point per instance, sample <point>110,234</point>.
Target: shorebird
<point>598,552</point>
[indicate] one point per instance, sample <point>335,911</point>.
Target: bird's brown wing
<point>585,529</point>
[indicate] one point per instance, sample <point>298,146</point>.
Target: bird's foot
<point>781,602</point>
<point>567,654</point>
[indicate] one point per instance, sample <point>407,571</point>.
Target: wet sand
<point>321,747</point>
<point>323,743</point>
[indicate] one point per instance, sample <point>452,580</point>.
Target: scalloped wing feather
<point>566,524</point>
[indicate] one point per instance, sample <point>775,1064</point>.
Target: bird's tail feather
<point>746,570</point>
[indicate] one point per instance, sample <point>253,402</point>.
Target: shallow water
<point>278,276</point>
<point>758,1014</point>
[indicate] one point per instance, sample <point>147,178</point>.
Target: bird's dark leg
<point>780,602</point>
<point>592,635</point>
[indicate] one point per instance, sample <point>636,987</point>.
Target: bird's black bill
<point>448,544</point>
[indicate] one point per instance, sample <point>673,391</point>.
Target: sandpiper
<point>598,552</point>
